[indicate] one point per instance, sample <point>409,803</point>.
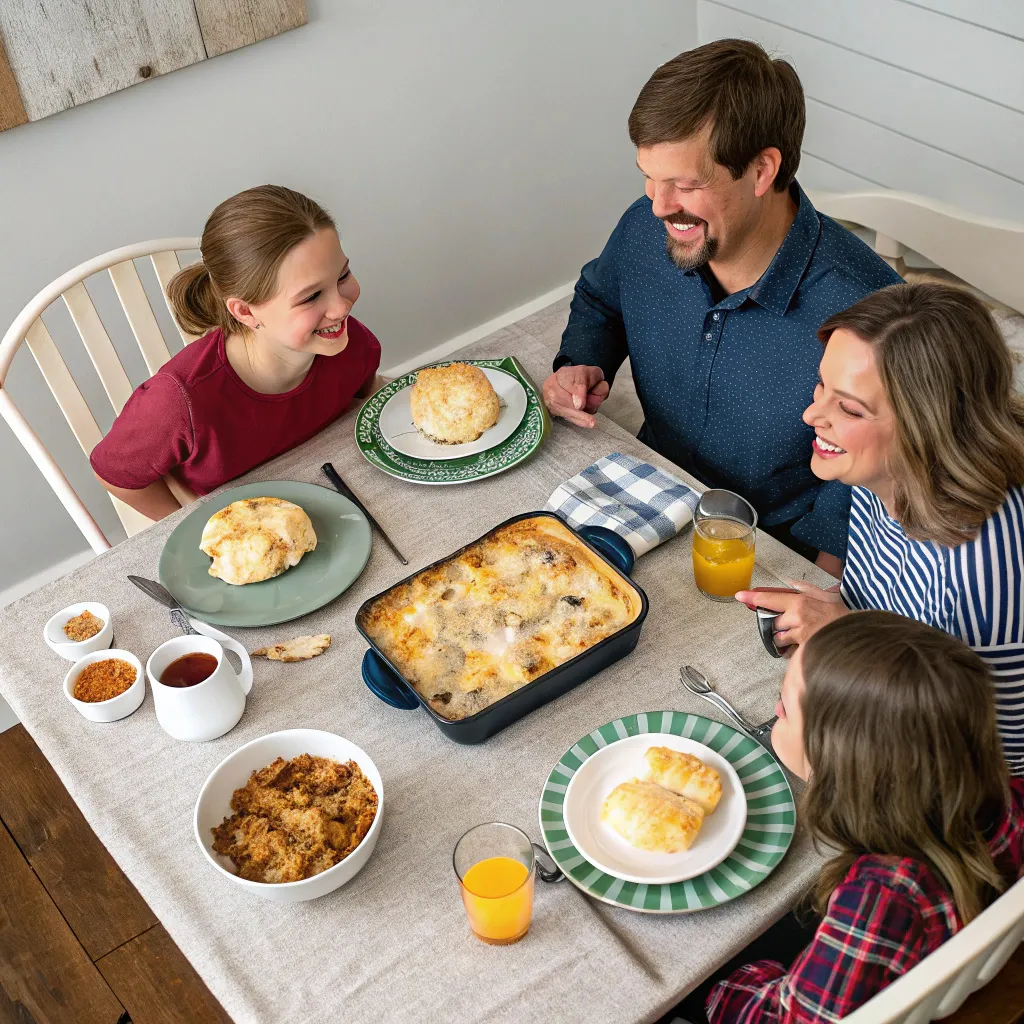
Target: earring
<point>258,325</point>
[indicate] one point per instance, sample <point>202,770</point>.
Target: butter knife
<point>160,593</point>
<point>343,488</point>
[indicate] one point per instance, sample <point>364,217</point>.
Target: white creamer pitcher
<point>209,708</point>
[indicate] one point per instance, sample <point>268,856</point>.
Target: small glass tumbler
<point>495,865</point>
<point>724,530</point>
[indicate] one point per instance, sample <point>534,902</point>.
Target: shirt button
<point>716,316</point>
<point>707,337</point>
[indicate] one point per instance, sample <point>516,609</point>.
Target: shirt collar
<point>775,288</point>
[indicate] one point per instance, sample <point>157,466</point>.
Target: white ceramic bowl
<point>117,707</point>
<point>214,805</point>
<point>53,631</point>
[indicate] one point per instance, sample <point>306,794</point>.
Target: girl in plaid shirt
<point>892,724</point>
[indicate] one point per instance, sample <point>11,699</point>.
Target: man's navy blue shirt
<point>723,383</point>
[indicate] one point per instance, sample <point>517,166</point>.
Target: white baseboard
<point>44,576</point>
<point>481,331</point>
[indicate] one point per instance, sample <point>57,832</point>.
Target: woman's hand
<point>803,613</point>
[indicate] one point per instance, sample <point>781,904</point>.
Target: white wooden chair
<point>984,252</point>
<point>938,985</point>
<point>29,328</point>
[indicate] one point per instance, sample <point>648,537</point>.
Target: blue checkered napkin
<point>633,498</point>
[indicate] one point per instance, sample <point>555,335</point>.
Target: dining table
<point>393,944</point>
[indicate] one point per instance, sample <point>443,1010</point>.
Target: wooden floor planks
<point>102,907</point>
<point>64,904</point>
<point>45,974</point>
<point>157,984</point>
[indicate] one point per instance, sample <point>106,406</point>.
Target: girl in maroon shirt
<point>280,356</point>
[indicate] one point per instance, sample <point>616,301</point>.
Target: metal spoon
<point>698,683</point>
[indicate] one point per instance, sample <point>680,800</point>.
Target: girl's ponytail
<point>194,301</point>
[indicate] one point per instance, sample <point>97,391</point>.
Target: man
<point>714,285</point>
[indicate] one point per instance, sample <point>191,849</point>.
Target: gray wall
<point>474,155</point>
<point>924,96</point>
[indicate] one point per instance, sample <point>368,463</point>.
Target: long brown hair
<point>901,738</point>
<point>748,100</point>
<point>948,375</point>
<point>244,242</point>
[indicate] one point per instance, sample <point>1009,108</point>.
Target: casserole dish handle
<point>381,682</point>
<point>615,548</point>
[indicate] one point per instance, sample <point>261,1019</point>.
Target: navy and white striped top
<point>974,591</point>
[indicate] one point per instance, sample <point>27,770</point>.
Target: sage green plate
<point>342,549</point>
<point>771,818</point>
<point>522,443</point>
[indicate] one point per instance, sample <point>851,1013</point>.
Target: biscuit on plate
<point>684,774</point>
<point>652,818</point>
<point>453,404</point>
<point>256,538</point>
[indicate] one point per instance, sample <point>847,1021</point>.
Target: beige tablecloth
<point>393,945</point>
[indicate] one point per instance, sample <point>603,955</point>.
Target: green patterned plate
<point>771,818</point>
<point>518,447</point>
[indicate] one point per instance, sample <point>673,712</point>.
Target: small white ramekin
<point>117,707</point>
<point>57,641</point>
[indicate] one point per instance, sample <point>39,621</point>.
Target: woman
<point>279,358</point>
<point>916,410</point>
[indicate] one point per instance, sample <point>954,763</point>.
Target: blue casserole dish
<point>385,680</point>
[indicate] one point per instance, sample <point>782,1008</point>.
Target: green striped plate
<point>524,441</point>
<point>771,818</point>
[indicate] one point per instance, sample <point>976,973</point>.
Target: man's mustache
<point>683,218</point>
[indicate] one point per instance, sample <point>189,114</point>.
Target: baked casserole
<point>499,614</point>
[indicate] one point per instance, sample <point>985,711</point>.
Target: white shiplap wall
<point>924,96</point>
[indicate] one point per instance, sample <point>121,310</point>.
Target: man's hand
<point>803,612</point>
<point>575,392</point>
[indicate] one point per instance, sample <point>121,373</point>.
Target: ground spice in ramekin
<point>83,627</point>
<point>103,680</point>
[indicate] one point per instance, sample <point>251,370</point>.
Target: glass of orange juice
<point>724,527</point>
<point>495,866</point>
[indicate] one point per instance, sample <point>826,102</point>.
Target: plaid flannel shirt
<point>885,917</point>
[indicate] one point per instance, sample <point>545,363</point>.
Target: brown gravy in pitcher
<point>189,670</point>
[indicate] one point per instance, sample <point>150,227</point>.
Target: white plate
<point>607,850</point>
<point>398,429</point>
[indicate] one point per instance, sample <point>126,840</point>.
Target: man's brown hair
<point>749,101</point>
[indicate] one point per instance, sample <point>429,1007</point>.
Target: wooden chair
<point>984,252</point>
<point>29,328</point>
<point>938,985</point>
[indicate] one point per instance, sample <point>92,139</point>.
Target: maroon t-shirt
<point>197,417</point>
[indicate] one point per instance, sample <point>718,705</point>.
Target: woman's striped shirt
<point>974,591</point>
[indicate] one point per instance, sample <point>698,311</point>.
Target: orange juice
<point>498,893</point>
<point>723,556</point>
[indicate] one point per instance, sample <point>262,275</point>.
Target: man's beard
<point>686,257</point>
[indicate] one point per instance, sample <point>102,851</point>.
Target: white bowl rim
<point>91,659</point>
<point>70,613</point>
<point>285,886</point>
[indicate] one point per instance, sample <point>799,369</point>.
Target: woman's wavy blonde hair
<point>244,242</point>
<point>948,375</point>
<point>901,738</point>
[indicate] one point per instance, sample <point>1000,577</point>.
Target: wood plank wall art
<point>55,54</point>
